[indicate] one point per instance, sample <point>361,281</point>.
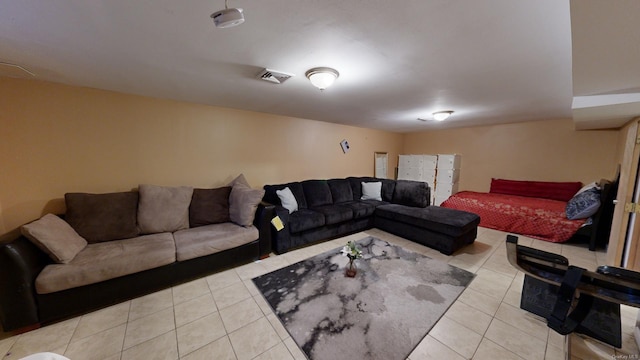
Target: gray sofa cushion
<point>411,193</point>
<point>340,190</point>
<point>209,206</point>
<point>243,202</point>
<point>103,217</point>
<point>438,219</point>
<point>210,239</point>
<point>55,237</point>
<point>107,260</point>
<point>163,208</point>
<point>305,219</point>
<point>317,193</point>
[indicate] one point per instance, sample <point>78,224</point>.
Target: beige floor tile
<point>49,338</point>
<point>149,304</point>
<point>278,352</point>
<point>556,339</point>
<point>251,270</point>
<point>163,347</point>
<point>488,350</point>
<point>275,262</point>
<point>222,279</point>
<point>294,349</point>
<point>101,320</point>
<point>6,344</point>
<point>516,340</point>
<point>431,349</point>
<point>523,320</point>
<point>253,289</point>
<point>199,333</point>
<point>194,309</point>
<point>513,297</point>
<point>240,314</point>
<point>554,353</point>
<point>491,283</point>
<point>586,349</point>
<point>231,295</point>
<point>220,349</point>
<point>469,317</point>
<point>97,346</point>
<point>190,290</point>
<point>277,326</point>
<point>485,303</point>
<point>254,339</point>
<point>499,263</point>
<point>457,337</point>
<point>148,327</point>
<point>263,304</point>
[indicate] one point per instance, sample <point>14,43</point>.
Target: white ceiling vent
<point>274,76</point>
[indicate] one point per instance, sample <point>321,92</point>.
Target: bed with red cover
<point>531,208</point>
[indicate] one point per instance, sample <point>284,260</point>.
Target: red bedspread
<point>535,217</point>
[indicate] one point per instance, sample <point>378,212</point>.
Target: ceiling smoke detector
<point>229,17</point>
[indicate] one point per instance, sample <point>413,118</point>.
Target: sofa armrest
<point>281,240</point>
<point>20,264</point>
<point>264,213</point>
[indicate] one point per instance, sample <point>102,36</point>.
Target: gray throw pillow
<point>163,208</point>
<point>55,237</point>
<point>243,201</point>
<point>103,217</point>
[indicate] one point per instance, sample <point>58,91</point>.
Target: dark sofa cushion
<point>271,197</point>
<point>209,206</point>
<point>305,219</point>
<point>411,193</point>
<point>360,209</point>
<point>334,214</point>
<point>388,186</point>
<point>340,190</point>
<point>317,193</point>
<point>103,217</point>
<point>438,219</point>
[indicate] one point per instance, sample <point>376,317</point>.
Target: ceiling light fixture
<point>442,115</point>
<point>228,17</point>
<point>322,77</point>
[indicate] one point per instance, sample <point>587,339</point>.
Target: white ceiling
<point>491,61</point>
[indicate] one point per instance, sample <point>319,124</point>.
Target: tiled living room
<point>223,316</point>
<point>105,98</point>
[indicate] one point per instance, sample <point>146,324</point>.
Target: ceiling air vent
<point>274,76</point>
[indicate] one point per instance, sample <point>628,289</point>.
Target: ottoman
<point>443,229</point>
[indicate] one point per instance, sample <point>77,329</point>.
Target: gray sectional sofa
<point>336,207</point>
<point>108,248</point>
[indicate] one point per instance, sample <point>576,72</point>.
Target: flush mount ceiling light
<point>322,77</point>
<point>228,17</point>
<point>442,115</point>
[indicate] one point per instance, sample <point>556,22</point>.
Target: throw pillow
<point>103,217</point>
<point>163,208</point>
<point>209,206</point>
<point>372,191</point>
<point>243,201</point>
<point>55,237</point>
<point>288,200</point>
<point>583,205</point>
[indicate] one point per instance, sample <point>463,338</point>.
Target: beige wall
<point>543,150</point>
<point>56,139</point>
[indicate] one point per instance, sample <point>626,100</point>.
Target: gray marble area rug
<point>382,313</point>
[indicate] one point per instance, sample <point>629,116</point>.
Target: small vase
<point>351,270</point>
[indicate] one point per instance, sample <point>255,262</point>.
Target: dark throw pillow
<point>583,205</point>
<point>209,206</point>
<point>103,217</point>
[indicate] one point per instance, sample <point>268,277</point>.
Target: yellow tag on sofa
<point>277,223</point>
